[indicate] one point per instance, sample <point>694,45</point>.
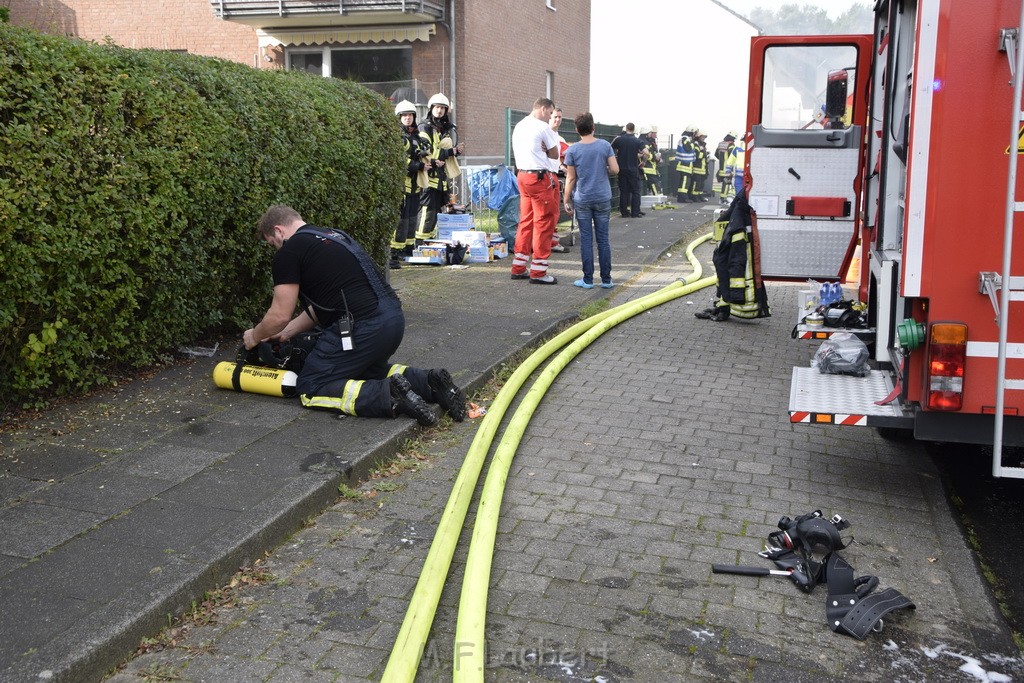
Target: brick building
<point>487,56</point>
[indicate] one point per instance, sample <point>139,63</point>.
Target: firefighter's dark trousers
<point>356,382</point>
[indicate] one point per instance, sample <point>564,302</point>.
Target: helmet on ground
<point>405,107</point>
<point>439,99</point>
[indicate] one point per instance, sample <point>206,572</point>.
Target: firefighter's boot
<point>405,401</point>
<point>396,259</point>
<point>447,394</point>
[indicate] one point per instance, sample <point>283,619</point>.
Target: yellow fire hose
<point>469,650</point>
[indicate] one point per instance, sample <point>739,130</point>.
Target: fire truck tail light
<point>947,354</point>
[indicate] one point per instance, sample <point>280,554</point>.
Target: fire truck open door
<point>804,153</point>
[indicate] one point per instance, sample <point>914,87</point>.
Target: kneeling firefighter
<point>361,321</point>
<point>737,260</point>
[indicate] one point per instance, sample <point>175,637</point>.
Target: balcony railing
<point>249,9</point>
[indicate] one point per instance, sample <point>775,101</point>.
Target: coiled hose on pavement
<point>469,648</point>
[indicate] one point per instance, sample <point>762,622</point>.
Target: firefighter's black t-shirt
<point>323,269</point>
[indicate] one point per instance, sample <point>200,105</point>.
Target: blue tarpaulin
<point>493,185</point>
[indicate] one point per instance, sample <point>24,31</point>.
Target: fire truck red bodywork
<point>933,98</point>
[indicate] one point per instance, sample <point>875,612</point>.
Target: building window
<point>312,62</point>
<point>372,65</point>
<point>550,90</point>
<point>363,65</point>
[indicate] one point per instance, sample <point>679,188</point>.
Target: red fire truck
<point>904,144</point>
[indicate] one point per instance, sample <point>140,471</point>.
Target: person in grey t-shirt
<point>588,165</point>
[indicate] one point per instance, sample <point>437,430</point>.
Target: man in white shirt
<point>534,144</point>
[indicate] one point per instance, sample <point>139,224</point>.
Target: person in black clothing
<point>627,153</point>
<point>341,291</point>
<point>416,151</point>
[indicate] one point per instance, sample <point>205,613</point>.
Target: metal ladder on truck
<point>1009,287</point>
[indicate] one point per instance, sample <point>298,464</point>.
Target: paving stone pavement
<point>120,511</point>
<point>662,448</point>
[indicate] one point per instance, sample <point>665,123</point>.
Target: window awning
<point>354,34</point>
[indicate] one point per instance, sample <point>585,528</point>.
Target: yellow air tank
<point>256,379</point>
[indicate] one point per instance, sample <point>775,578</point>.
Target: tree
<point>856,19</point>
<point>793,19</point>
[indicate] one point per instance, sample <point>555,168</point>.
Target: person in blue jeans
<point>588,165</point>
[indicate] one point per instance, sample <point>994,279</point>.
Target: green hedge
<point>130,185</point>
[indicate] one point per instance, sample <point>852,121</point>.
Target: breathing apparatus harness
<point>851,607</point>
<point>806,550</point>
<point>290,355</point>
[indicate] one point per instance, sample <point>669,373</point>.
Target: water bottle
<point>836,294</point>
<point>824,292</point>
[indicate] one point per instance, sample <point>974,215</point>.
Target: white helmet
<point>405,107</point>
<point>439,99</point>
<point>644,130</point>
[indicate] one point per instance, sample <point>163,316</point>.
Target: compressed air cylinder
<point>255,379</point>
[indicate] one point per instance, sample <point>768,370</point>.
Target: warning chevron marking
<point>800,416</point>
<point>1020,141</point>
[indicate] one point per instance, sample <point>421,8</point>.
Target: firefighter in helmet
<point>440,134</point>
<point>699,169</point>
<point>736,163</point>
<point>685,156</point>
<point>726,151</point>
<point>650,158</point>
<point>416,154</point>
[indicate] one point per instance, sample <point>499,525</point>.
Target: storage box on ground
<point>499,247</point>
<point>450,222</point>
<point>431,252</point>
<point>476,241</point>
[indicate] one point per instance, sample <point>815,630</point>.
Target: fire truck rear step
<point>843,400</point>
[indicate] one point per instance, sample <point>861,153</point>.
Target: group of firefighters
<point>692,165</point>
<point>691,159</point>
<point>431,163</point>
